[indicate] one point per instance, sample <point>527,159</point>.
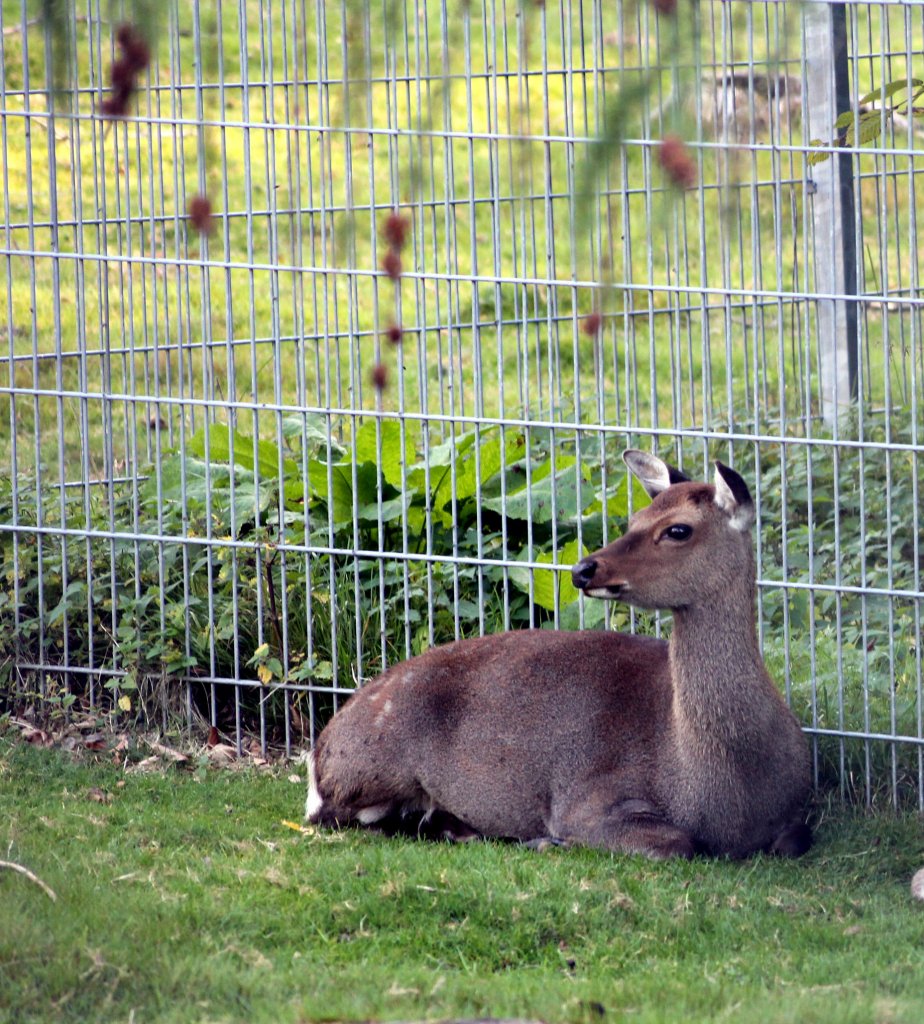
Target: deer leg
<point>793,841</point>
<point>441,825</point>
<point>628,825</point>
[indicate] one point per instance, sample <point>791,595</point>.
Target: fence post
<point>827,95</point>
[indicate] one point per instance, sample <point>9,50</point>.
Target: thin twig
<point>31,876</point>
<point>271,593</point>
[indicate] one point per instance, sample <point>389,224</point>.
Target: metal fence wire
<point>327,350</point>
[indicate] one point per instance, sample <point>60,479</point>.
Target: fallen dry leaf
<point>212,741</point>
<point>38,737</point>
<point>222,753</point>
<point>299,724</point>
<point>298,828</point>
<point>168,752</point>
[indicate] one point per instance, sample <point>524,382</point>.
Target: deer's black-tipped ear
<point>654,474</point>
<point>733,497</point>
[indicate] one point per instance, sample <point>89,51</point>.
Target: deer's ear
<point>733,497</point>
<point>653,473</point>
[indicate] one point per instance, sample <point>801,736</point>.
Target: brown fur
<point>604,739</point>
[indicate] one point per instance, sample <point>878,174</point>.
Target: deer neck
<point>722,693</point>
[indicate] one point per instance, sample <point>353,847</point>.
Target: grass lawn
<point>182,896</point>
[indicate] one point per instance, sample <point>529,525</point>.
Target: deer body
<point>604,739</point>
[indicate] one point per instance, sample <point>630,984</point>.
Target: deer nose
<point>583,573</point>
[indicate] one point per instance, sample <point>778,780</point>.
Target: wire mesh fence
<point>327,351</point>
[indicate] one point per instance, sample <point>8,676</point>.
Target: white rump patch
<point>314,801</point>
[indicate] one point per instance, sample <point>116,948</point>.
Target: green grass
<point>187,899</point>
<point>164,324</point>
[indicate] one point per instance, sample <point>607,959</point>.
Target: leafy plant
<point>865,124</point>
<point>280,565</point>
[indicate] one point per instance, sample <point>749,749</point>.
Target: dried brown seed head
<point>391,264</point>
<point>134,46</point>
<point>394,230</point>
<point>200,214</point>
<point>677,162</point>
<point>379,377</point>
<point>591,323</point>
<point>122,76</point>
<point>114,106</point>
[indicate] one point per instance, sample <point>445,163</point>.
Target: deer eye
<point>679,531</point>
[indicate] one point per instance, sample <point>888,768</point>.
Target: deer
<point>628,743</point>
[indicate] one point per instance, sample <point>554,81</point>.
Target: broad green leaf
<point>477,460</point>
<point>481,463</point>
<point>388,511</point>
<point>848,117</point>
<point>416,525</point>
<point>76,592</point>
<point>548,582</point>
<point>618,502</point>
<point>870,128</point>
<point>548,495</point>
<point>817,158</point>
<point>247,500</point>
<point>889,90</point>
<point>218,448</point>
<point>394,458</point>
<point>442,454</point>
<point>332,483</point>
<point>870,125</point>
<point>259,654</point>
<point>198,481</point>
<point>594,614</point>
<point>485,461</point>
<point>314,428</point>
<point>338,492</point>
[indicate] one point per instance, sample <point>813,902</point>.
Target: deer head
<point>691,545</point>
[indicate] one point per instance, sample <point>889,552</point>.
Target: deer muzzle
<point>586,576</point>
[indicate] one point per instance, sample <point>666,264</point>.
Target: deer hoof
<point>793,841</point>
<point>543,844</point>
<point>676,846</point>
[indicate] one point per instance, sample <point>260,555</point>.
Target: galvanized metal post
<point>827,95</point>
